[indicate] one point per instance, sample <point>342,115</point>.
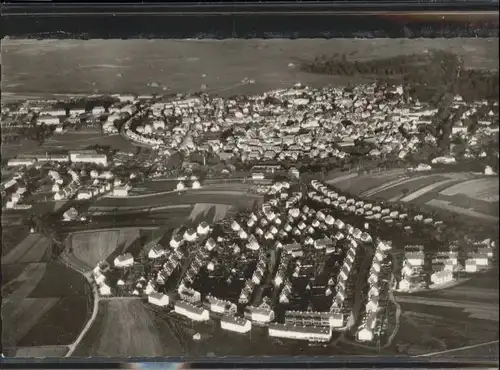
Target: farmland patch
<point>408,186</point>
<point>481,206</point>
<point>483,189</point>
<point>60,281</point>
<point>448,206</point>
<point>37,352</point>
<point>33,248</point>
<point>88,248</point>
<point>364,183</point>
<point>20,286</point>
<point>60,324</point>
<point>20,315</point>
<point>80,140</point>
<point>127,328</point>
<point>11,237</point>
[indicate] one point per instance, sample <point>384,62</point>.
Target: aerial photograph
<point>250,198</point>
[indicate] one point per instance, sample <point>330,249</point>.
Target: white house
<point>441,277</point>
<point>47,120</point>
<point>336,320</point>
<point>121,191</point>
<point>156,252</point>
<point>235,324</point>
<point>124,260</point>
<point>190,311</point>
<point>470,265</point>
<point>365,335</point>
<point>104,290</point>
<point>203,228</point>
<point>158,299</point>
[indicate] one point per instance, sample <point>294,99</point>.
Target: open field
<point>72,285</point>
<point>483,189</point>
<point>202,212</point>
<point>21,279</point>
<point>237,198</point>
<point>361,183</point>
<point>81,140</point>
<point>60,324</point>
<point>38,67</point>
<point>36,352</point>
<point>20,315</point>
<point>88,248</point>
<point>462,193</point>
<point>126,328</point>
<point>32,249</point>
<point>11,237</point>
<point>67,141</point>
<point>43,304</point>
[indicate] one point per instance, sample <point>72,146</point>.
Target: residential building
<point>158,299</point>
<point>300,332</point>
<point>124,260</point>
<point>235,324</point>
<point>191,311</point>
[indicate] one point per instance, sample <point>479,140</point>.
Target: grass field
<point>208,212</point>
<point>219,196</point>
<point>33,248</point>
<point>406,187</point>
<point>88,248</point>
<point>60,324</point>
<point>80,140</point>
<point>11,237</point>
<point>20,315</point>
<point>36,352</point>
<point>126,328</point>
<point>224,62</point>
<point>483,189</point>
<point>42,304</point>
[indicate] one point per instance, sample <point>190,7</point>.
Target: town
<point>304,256</point>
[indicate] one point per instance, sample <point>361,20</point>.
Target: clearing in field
<point>89,248</point>
<point>32,249</point>
<point>127,328</point>
<point>485,189</point>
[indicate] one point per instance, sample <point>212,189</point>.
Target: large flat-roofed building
<point>309,333</point>
<point>259,314</point>
<point>236,324</point>
<point>190,311</point>
<point>88,156</point>
<point>219,305</point>
<point>19,162</point>
<point>307,318</point>
<point>159,299</point>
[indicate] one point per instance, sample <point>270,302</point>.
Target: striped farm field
<point>128,328</point>
<point>484,189</point>
<point>43,304</point>
<point>467,206</point>
<point>33,248</point>
<point>366,182</point>
<point>398,190</point>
